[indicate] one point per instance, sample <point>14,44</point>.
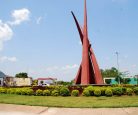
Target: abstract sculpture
<point>89,72</point>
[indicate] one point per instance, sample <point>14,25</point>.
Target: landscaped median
<point>61,96</point>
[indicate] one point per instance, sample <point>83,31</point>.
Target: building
<point>13,81</point>
<point>46,81</point>
<point>129,80</point>
<point>2,77</point>
<point>23,81</point>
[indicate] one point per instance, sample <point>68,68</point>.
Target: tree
<point>21,75</point>
<point>35,82</point>
<point>113,72</point>
<point>126,80</point>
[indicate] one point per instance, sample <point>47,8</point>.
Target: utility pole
<point>117,55</point>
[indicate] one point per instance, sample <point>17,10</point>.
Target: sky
<point>40,37</point>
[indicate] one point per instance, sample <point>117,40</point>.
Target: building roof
<point>2,75</point>
<point>47,78</point>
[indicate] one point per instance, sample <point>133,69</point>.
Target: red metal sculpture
<point>89,72</point>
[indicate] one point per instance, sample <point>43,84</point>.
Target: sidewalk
<point>9,109</point>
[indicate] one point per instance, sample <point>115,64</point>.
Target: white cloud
<point>52,68</point>
<point>38,20</point>
<point>20,16</point>
<point>67,67</point>
<point>5,58</point>
<point>6,33</point>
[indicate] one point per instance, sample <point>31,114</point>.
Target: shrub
<point>18,91</point>
<point>75,93</point>
<point>108,92</point>
<point>97,92</point>
<point>64,91</point>
<point>136,90</point>
<point>23,91</point>
<point>124,90</point>
<point>103,89</point>
<point>29,92</point>
<point>86,93</point>
<point>11,91</point>
<point>91,90</point>
<point>3,90</point>
<point>46,93</point>
<point>129,91</point>
<point>117,91</point>
<point>39,92</point>
<point>55,93</point>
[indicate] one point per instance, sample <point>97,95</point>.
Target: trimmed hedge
<point>97,92</point>
<point>64,91</point>
<point>75,93</point>
<point>117,91</point>
<point>46,93</point>
<point>55,93</point>
<point>136,90</point>
<point>39,92</point>
<point>129,91</point>
<point>108,92</point>
<point>86,93</point>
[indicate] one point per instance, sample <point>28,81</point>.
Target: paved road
<point>8,109</point>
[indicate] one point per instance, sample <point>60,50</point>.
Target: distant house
<point>2,76</point>
<point>23,81</point>
<point>131,80</point>
<point>46,81</point>
<point>13,81</point>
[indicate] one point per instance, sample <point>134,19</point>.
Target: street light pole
<point>117,54</point>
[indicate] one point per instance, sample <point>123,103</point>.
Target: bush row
<point>64,91</point>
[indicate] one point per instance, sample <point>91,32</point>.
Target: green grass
<point>71,102</point>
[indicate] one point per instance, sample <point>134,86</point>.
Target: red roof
<point>46,79</point>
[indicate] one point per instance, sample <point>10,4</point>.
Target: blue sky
<point>40,37</point>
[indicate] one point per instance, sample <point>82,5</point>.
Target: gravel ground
<point>9,109</point>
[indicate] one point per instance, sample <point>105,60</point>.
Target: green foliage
<point>46,93</point>
<point>124,90</point>
<point>55,93</point>
<point>29,92</point>
<point>136,90</point>
<point>90,89</point>
<point>64,83</point>
<point>21,75</point>
<point>97,92</point>
<point>39,92</point>
<point>3,90</point>
<point>126,80</point>
<point>11,91</point>
<point>119,79</point>
<point>75,93</point>
<point>113,72</point>
<point>86,93</point>
<point>103,90</point>
<point>129,91</point>
<point>35,82</point>
<point>18,91</point>
<point>117,91</point>
<point>108,92</point>
<point>64,91</point>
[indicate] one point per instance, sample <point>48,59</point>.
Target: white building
<point>2,76</point>
<point>46,81</point>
